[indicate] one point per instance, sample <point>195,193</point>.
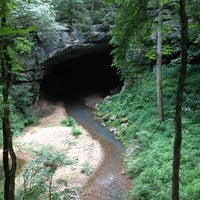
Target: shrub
<point>86,168</point>
<point>38,174</point>
<point>76,131</point>
<point>70,121</point>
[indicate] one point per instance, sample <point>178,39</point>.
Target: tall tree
<point>162,5</point>
<point>17,20</point>
<point>159,68</point>
<point>131,39</point>
<point>6,68</point>
<point>179,100</point>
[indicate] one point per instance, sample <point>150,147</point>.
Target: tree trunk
<point>179,101</point>
<point>159,68</point>
<point>8,152</point>
<point>6,67</point>
<point>92,6</point>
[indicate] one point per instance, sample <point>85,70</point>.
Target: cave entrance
<point>91,73</point>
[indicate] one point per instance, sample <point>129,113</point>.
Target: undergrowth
<point>149,144</point>
<point>23,113</point>
<point>36,181</point>
<point>70,122</point>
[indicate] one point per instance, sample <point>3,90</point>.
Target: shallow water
<point>108,183</point>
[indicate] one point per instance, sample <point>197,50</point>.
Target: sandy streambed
<point>49,132</point>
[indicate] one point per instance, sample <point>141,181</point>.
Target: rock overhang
<point>77,51</point>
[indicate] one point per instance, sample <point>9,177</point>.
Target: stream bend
<point>108,183</point>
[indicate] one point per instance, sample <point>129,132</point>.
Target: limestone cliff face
<point>64,45</point>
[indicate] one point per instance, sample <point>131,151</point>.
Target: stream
<point>108,183</point>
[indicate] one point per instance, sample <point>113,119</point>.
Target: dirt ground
<point>49,132</point>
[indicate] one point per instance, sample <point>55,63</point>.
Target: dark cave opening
<point>91,73</point>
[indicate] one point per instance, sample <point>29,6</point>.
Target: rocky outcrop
<point>63,45</point>
<point>67,45</point>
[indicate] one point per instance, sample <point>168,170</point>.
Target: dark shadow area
<point>72,78</point>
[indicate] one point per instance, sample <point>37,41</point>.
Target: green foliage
<point>134,34</point>
<point>149,144</point>
<point>86,168</point>
<point>81,14</point>
<point>21,97</point>
<point>1,191</point>
<point>38,173</point>
<point>70,121</point>
<point>36,192</point>
<point>128,35</point>
<point>192,99</point>
<point>101,12</point>
<point>17,38</point>
<point>23,45</point>
<point>38,14</point>
<point>76,131</point>
<point>74,13</point>
<point>1,114</point>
